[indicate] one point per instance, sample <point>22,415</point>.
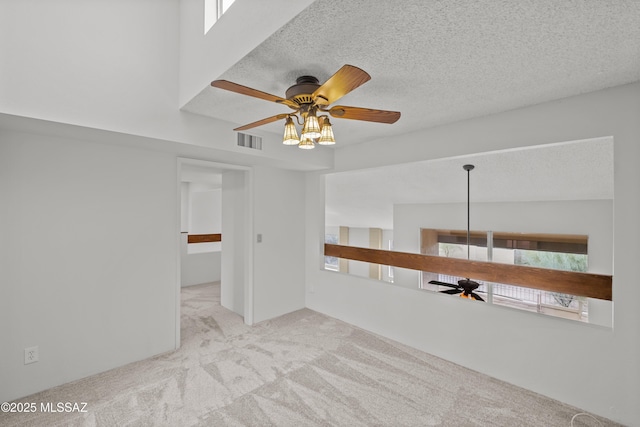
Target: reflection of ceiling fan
<point>465,287</point>
<point>308,98</point>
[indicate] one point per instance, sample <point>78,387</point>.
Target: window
<point>213,10</point>
<point>552,251</point>
<point>331,262</point>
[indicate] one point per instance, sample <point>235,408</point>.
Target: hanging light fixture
<point>306,144</point>
<point>326,133</point>
<point>308,98</point>
<point>465,287</point>
<point>312,131</point>
<point>311,127</point>
<point>290,133</point>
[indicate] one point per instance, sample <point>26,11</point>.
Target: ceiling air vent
<point>249,141</point>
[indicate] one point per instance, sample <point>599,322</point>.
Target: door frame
<point>248,238</point>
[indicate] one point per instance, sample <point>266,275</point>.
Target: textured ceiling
<point>581,170</point>
<point>437,61</point>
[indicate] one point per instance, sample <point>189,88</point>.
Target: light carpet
<point>301,369</point>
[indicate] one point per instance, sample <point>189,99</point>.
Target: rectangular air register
<point>249,141</point>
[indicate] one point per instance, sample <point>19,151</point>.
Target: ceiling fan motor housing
<point>301,92</point>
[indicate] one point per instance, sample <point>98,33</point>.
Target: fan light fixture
<point>311,127</point>
<point>326,134</point>
<point>290,133</point>
<point>312,132</point>
<point>306,144</point>
<point>307,97</point>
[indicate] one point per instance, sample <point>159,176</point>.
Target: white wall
<point>184,207</point>
<point>88,258</point>
<point>198,267</point>
<point>234,240</point>
<point>279,260</point>
<point>109,65</point>
<point>205,214</point>
<point>591,367</point>
<point>116,65</point>
<point>201,213</point>
<point>205,217</point>
<point>274,284</point>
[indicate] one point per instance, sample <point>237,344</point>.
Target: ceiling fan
<point>308,98</point>
<point>465,287</point>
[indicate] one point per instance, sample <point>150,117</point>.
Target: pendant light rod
<point>468,168</point>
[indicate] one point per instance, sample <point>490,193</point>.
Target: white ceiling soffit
<point>437,61</point>
<point>581,170</point>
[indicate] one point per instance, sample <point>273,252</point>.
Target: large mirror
<point>548,206</point>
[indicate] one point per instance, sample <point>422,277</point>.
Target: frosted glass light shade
<point>311,128</point>
<point>306,144</point>
<point>326,134</point>
<point>290,133</point>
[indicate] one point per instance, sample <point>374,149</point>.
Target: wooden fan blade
<point>439,283</point>
<point>341,83</point>
<point>476,297</point>
<point>452,291</point>
<point>366,114</point>
<point>262,122</point>
<point>244,90</point>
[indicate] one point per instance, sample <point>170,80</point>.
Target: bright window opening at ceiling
<point>213,10</point>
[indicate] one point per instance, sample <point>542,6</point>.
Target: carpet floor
<point>301,369</point>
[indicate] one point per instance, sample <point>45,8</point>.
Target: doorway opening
<point>215,228</point>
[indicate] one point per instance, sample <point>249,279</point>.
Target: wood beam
<point>568,282</point>
<point>343,239</point>
<point>204,238</point>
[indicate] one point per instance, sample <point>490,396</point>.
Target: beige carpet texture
<point>301,369</point>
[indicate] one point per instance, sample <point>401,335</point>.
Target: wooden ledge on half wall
<point>204,238</point>
<point>590,285</point>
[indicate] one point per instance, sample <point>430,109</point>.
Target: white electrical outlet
<point>31,355</point>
